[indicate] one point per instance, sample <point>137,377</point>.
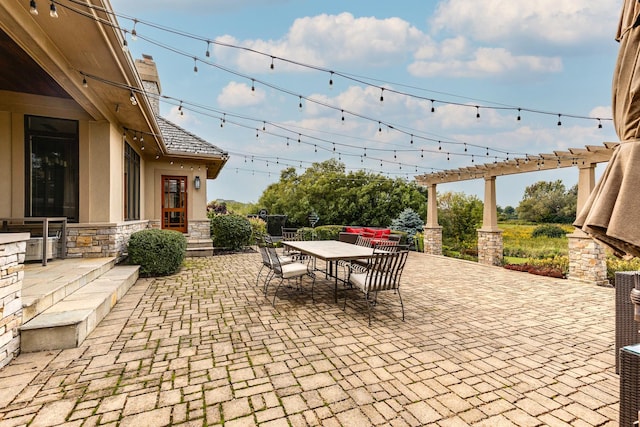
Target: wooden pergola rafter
<point>573,157</point>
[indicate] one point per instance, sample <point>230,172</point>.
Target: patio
<point>481,346</point>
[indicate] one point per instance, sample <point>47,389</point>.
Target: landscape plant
<point>230,231</point>
<point>158,252</point>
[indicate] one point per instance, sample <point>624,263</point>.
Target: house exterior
<point>81,136</point>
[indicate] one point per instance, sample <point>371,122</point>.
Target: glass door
<point>174,203</point>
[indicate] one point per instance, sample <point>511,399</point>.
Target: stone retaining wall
<point>100,240</point>
<point>12,252</point>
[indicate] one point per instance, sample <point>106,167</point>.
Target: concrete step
<point>44,286</point>
<point>67,323</point>
<point>199,247</point>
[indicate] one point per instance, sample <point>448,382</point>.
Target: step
<point>44,286</point>
<point>68,322</point>
<point>199,247</point>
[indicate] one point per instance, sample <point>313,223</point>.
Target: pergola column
<point>587,258</point>
<point>490,236</point>
<point>432,231</point>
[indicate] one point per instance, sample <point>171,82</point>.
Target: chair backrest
<point>384,270</point>
<point>386,245</point>
<point>275,261</point>
<point>363,241</point>
<point>291,234</point>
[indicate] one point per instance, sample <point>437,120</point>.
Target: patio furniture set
<point>369,265</point>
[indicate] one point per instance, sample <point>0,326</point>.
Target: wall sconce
<point>196,183</point>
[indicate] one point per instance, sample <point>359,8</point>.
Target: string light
<point>33,8</point>
<point>300,103</point>
<point>381,94</point>
<point>53,12</point>
<point>559,122</point>
<point>433,108</point>
<point>272,66</point>
<point>134,33</point>
<point>518,118</point>
<point>195,64</point>
<point>207,53</point>
<point>132,98</point>
<point>599,124</point>
<point>125,45</point>
<point>331,80</point>
<point>477,112</point>
<point>355,79</point>
<point>84,82</point>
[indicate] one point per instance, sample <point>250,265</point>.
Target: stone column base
<point>490,247</point>
<point>433,240</point>
<point>587,259</point>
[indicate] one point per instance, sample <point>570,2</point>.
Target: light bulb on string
<point>381,94</point>
<point>287,141</point>
<point>223,120</point>
<point>134,33</point>
<point>433,108</point>
<point>132,98</point>
<point>299,135</point>
<point>439,146</point>
<point>411,139</point>
<point>599,124</point>
<point>331,80</point>
<point>272,66</point>
<point>300,103</point>
<point>477,112</point>
<point>53,12</point>
<point>180,109</point>
<point>207,53</point>
<point>559,121</point>
<point>125,45</point>
<point>253,87</point>
<point>264,126</point>
<point>518,118</point>
<point>33,8</point>
<point>465,147</point>
<point>195,64</point>
<point>342,116</point>
<point>379,127</point>
<point>84,82</point>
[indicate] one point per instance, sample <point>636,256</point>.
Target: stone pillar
<point>490,248</point>
<point>12,252</point>
<point>432,231</point>
<point>587,258</point>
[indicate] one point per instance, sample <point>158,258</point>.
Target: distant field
<point>519,245</point>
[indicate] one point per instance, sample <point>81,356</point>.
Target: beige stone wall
<point>587,260</point>
<point>490,247</point>
<point>200,229</point>
<point>100,240</point>
<point>433,240</point>
<point>12,252</point>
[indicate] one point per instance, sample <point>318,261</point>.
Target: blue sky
<point>554,56</point>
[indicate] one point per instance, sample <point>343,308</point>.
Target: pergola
<point>586,257</point>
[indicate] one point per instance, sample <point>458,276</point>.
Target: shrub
<point>548,230</point>
<point>618,264</point>
<point>230,231</point>
<point>408,221</point>
<point>158,252</point>
<point>419,239</point>
<point>258,228</point>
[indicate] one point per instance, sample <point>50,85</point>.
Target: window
<point>131,183</point>
<point>51,168</point>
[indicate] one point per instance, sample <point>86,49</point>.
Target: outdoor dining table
<point>331,251</point>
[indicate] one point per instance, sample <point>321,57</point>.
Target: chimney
<point>150,81</point>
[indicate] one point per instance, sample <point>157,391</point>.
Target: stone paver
<point>480,346</point>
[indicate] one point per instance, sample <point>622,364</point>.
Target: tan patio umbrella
<point>612,212</point>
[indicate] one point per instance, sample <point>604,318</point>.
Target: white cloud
<point>334,40</point>
<point>525,24</point>
<point>237,94</point>
<point>485,62</point>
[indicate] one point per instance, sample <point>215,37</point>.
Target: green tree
<point>460,217</point>
<point>408,221</point>
<point>548,202</point>
<point>338,197</point>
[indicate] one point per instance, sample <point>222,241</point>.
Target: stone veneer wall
<point>587,260</point>
<point>100,240</point>
<point>433,240</point>
<point>200,229</point>
<point>490,248</point>
<point>12,252</point>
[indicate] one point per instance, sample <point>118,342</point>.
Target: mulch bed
<point>540,271</point>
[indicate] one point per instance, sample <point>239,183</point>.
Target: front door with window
<point>174,203</point>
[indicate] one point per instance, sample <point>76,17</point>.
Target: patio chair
<point>383,273</point>
<point>262,244</point>
<point>291,271</point>
<point>291,235</point>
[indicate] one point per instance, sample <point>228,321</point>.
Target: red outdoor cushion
<point>382,234</point>
<point>353,230</point>
<point>369,230</point>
